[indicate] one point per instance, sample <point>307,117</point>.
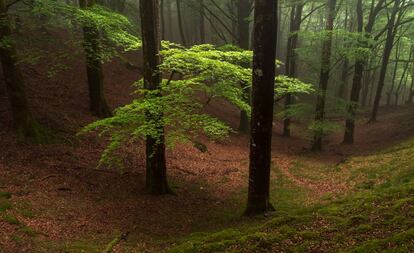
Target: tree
<point>23,121</point>
<point>356,84</point>
<point>156,174</point>
<point>180,23</point>
<point>360,64</point>
<point>291,57</point>
<point>389,43</point>
<point>97,102</point>
<point>264,47</point>
<point>324,76</point>
<point>243,41</point>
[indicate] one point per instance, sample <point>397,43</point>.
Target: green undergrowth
<point>377,214</point>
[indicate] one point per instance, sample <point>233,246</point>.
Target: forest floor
<point>53,199</point>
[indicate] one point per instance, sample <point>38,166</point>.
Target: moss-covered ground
<point>374,214</point>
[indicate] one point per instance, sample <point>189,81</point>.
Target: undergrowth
<point>377,214</point>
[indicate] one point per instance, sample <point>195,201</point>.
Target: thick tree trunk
<point>23,121</point>
<point>264,48</point>
<point>291,57</point>
<point>92,46</point>
<point>386,57</point>
<point>156,174</point>
<point>324,76</point>
<point>243,13</point>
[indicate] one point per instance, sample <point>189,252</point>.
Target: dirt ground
<point>59,194</point>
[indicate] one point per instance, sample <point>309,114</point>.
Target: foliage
<point>218,72</point>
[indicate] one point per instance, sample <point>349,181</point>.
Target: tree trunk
<point>24,123</point>
<point>356,84</point>
<point>291,57</point>
<point>386,57</point>
<point>92,46</point>
<point>156,173</point>
<point>243,13</point>
<point>324,76</point>
<point>202,23</point>
<point>180,23</point>
<point>264,48</point>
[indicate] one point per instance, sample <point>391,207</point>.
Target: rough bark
<point>156,169</point>
<point>264,48</point>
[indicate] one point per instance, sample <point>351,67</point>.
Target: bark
<point>291,57</point>
<point>264,48</point>
<point>92,47</point>
<point>156,169</point>
<point>243,13</point>
<point>25,125</point>
<point>386,57</point>
<point>324,76</point>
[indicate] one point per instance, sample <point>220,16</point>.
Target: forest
<point>201,126</point>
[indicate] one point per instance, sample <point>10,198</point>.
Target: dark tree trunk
<point>23,121</point>
<point>243,14</point>
<point>264,48</point>
<point>180,23</point>
<point>356,84</point>
<point>291,57</point>
<point>97,101</point>
<point>386,57</point>
<point>156,174</point>
<point>324,76</point>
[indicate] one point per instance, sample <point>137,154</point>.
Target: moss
<point>4,204</point>
<point>17,239</point>
<point>10,219</point>
<point>401,203</point>
<point>28,231</point>
<point>363,228</point>
<point>5,195</point>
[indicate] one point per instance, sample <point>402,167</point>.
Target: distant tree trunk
<point>356,84</point>
<point>411,90</point>
<point>156,174</point>
<point>24,123</point>
<point>180,23</point>
<point>92,46</point>
<point>291,57</point>
<point>243,14</point>
<point>403,79</point>
<point>394,74</point>
<point>386,57</point>
<point>324,76</point>
<point>170,21</point>
<point>264,48</point>
<point>343,84</point>
<point>162,19</point>
<point>202,23</point>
